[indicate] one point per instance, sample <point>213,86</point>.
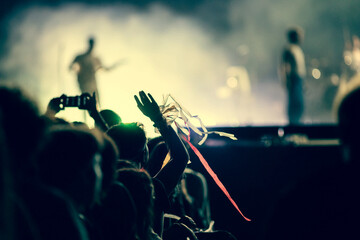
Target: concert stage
<point>259,167</point>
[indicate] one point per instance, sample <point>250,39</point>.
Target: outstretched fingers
<point>152,99</point>
<point>144,98</point>
<point>139,104</point>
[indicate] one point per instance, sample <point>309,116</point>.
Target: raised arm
<point>172,172</point>
<point>92,108</point>
<point>53,108</point>
<point>74,65</point>
<point>113,66</point>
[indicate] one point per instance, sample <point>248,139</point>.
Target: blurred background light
<point>218,58</point>
<point>316,73</point>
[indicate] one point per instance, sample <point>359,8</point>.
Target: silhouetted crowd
<point>65,180</point>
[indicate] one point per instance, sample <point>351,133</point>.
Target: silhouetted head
<point>153,142</point>
<point>91,43</point>
<point>123,164</point>
<point>159,151</point>
<point>349,123</point>
<point>23,128</point>
<point>110,117</point>
<point>110,155</point>
<point>130,138</point>
<point>295,35</point>
<point>79,124</point>
<point>70,161</point>
<point>56,121</point>
<point>140,186</point>
<point>115,218</point>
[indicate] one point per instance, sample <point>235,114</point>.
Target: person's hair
<point>23,128</point>
<point>349,116</point>
<point>65,153</point>
<point>140,186</point>
<point>152,142</point>
<point>123,164</point>
<point>130,138</point>
<point>110,155</point>
<point>56,121</point>
<point>294,35</point>
<point>110,117</point>
<point>158,152</point>
<point>79,124</point>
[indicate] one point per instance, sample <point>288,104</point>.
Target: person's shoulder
<point>288,49</point>
<point>80,56</point>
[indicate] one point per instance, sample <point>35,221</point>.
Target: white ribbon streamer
<point>174,112</point>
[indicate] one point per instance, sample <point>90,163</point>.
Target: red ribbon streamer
<point>215,177</point>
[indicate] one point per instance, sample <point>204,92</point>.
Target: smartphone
<point>80,102</point>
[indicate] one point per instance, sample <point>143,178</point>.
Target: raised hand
<point>91,103</point>
<point>148,106</point>
<point>173,171</point>
<point>54,105</point>
<point>92,108</point>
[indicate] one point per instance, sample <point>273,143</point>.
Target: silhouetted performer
<point>293,72</point>
<point>86,65</point>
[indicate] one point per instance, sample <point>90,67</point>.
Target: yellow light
<point>335,79</point>
<point>316,73</point>
<point>232,82</point>
<point>223,92</point>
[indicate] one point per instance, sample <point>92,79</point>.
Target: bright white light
<point>223,92</point>
<point>164,52</point>
<point>232,82</point>
<point>316,73</point>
